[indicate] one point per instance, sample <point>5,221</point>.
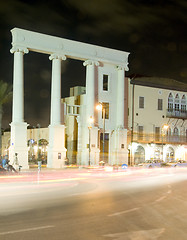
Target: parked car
<point>180,163</point>
<point>153,163</point>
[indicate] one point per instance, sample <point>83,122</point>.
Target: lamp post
<point>101,107</point>
<point>89,129</point>
<point>164,128</point>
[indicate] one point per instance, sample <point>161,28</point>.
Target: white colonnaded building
<point>105,74</point>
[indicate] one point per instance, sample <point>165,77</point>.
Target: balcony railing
<point>173,113</point>
<point>158,138</point>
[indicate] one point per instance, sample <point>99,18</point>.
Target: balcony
<point>158,138</point>
<point>180,114</point>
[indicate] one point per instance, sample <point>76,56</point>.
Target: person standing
<point>16,163</point>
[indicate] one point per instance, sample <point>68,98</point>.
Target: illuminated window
<point>157,133</point>
<point>140,132</point>
<point>105,82</point>
<point>106,109</point>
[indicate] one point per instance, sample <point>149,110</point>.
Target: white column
<point>120,97</point>
<point>18,126</point>
<point>55,118</point>
<point>91,81</point>
<point>18,84</point>
<point>90,87</point>
<point>119,152</point>
<point>56,148</point>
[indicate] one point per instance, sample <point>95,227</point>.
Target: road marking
<point>26,230</point>
<point>163,197</point>
<point>160,199</point>
<point>123,212</point>
<point>142,234</point>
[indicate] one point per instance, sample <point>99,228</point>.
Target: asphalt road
<point>94,205</point>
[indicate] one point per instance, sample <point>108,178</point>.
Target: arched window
<point>183,104</point>
<point>170,102</point>
<point>170,155</point>
<point>177,102</point>
<point>139,155</point>
<point>168,131</point>
<point>175,131</point>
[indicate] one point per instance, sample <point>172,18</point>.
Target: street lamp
<point>164,128</point>
<point>91,120</point>
<point>100,107</point>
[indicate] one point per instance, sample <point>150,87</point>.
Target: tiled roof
<point>163,83</point>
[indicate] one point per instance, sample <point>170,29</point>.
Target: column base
<point>56,150</point>
<point>83,157</point>
<point>119,157</point>
<point>19,144</point>
<point>119,152</point>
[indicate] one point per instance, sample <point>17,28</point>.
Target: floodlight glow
<point>91,119</point>
<point>99,107</point>
<point>165,127</point>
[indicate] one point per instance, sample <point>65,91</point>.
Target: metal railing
<point>159,138</point>
<point>173,113</point>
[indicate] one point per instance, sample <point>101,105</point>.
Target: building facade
<point>157,120</point>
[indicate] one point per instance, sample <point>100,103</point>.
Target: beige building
<point>157,119</point>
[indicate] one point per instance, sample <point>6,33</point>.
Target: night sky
<point>153,31</point>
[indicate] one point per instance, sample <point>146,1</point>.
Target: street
<point>94,204</point>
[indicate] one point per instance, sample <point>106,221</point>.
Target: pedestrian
<point>5,161</point>
<point>16,162</point>
<point>39,165</point>
<point>10,168</point>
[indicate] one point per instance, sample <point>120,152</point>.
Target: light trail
<point>26,230</point>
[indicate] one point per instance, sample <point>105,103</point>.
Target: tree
<point>5,97</point>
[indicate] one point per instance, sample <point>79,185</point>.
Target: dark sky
<point>153,31</point>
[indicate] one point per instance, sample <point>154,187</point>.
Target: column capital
<point>120,67</point>
<point>91,62</point>
<point>19,49</point>
<point>57,56</point>
<point>123,67</point>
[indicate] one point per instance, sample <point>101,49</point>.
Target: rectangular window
<point>106,142</point>
<point>141,102</point>
<point>105,107</point>
<point>68,109</point>
<point>140,132</point>
<point>176,107</point>
<point>105,82</point>
<point>160,104</point>
<point>157,133</point>
<point>183,108</point>
<point>170,107</point>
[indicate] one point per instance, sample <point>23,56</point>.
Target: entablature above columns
<point>47,44</point>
